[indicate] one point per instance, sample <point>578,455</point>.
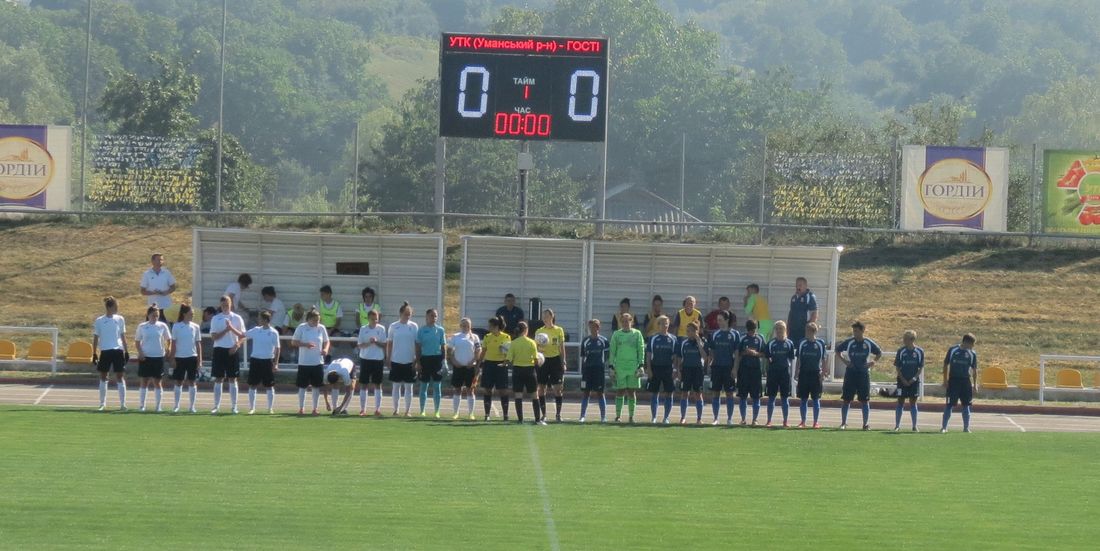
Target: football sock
<point>716,405</point>
<point>786,406</point>
<point>437,394</point>
<point>158,394</point>
<point>251,398</point>
<point>866,407</point>
<point>771,407</point>
<point>316,397</point>
<point>103,392</point>
<point>817,409</point>
<point>217,395</point>
<point>455,400</point>
<point>176,394</point>
<point>271,398</point>
<point>191,394</point>
<point>519,409</point>
<point>946,416</point>
<point>802,410</point>
<point>470,402</point>
<point>742,405</point>
<point>603,406</point>
<point>363,398</point>
<point>913,413</point>
<point>539,406</point>
<point>488,403</point>
<point>632,404</point>
<point>668,405</point>
<point>378,398</point>
<point>966,417</point>
<point>698,409</point>
<point>423,397</point>
<point>504,405</point>
<point>122,393</point>
<point>396,392</point>
<point>897,414</point>
<point>729,408</point>
<point>653,404</point>
<point>755,408</point>
<point>408,392</point>
<point>301,398</point>
<point>141,397</point>
<point>557,406</point>
<point>335,398</point>
<point>683,407</point>
<point>618,406</point>
<point>233,391</point>
<point>584,405</point>
<point>844,413</point>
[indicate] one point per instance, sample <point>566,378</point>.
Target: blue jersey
<point>801,308</point>
<point>723,346</point>
<point>594,352</point>
<point>431,339</point>
<point>810,354</point>
<point>690,354</point>
<point>961,361</point>
<point>859,351</point>
<point>780,355</point>
<point>751,342</point>
<point>909,362</point>
<point>662,347</point>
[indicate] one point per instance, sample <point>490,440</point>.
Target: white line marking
<point>1015,424</point>
<point>44,393</point>
<point>551,530</point>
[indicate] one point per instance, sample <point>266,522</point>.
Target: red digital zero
<point>521,124</point>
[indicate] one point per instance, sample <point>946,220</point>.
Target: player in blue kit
<point>960,376</point>
<point>781,354</point>
<point>856,355</point>
<point>594,349</point>
<point>660,368</point>
<point>908,363</point>
<point>723,350</point>
<point>691,356</point>
<point>747,367</point>
<point>810,371</point>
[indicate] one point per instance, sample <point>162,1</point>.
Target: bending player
<point>857,373</point>
<point>810,373</point>
<point>660,368</point>
<point>780,353</point>
<point>723,350</point>
<point>627,359</point>
<point>908,365</point>
<point>747,367</point>
<point>960,375</point>
<point>691,356</point>
<point>594,350</point>
<point>340,375</point>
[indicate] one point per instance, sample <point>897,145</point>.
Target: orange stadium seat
<point>40,351</point>
<point>7,350</point>
<point>1068,378</point>
<point>1029,378</point>
<point>994,378</point>
<point>79,352</point>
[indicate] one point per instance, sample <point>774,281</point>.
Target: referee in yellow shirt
<point>523,355</point>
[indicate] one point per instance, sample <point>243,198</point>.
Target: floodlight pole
<point>221,111</point>
<point>524,163</point>
<point>683,164</point>
<point>440,182</point>
<point>84,114</point>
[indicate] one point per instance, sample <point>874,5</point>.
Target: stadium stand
<point>1068,378</point>
<point>994,378</point>
<point>79,352</point>
<point>40,351</point>
<point>7,350</point>
<point>1029,378</point>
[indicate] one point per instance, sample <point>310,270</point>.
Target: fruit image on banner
<point>1071,192</point>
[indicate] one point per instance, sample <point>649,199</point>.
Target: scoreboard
<point>523,87</point>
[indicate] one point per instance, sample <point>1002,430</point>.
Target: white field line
<point>551,529</point>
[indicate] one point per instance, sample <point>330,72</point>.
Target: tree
<point>158,106</point>
<point>244,183</point>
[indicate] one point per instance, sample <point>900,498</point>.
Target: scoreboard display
<point>523,87</point>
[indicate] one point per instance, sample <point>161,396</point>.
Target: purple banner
<point>934,155</point>
<point>37,134</point>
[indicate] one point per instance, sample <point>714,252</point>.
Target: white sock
<point>233,394</point>
<point>176,394</point>
<point>363,399</point>
<point>192,392</point>
<point>301,398</point>
<point>141,397</point>
<point>316,397</point>
<point>470,403</point>
<point>378,398</point>
<point>217,395</point>
<point>122,393</point>
<point>457,398</point>
<point>103,393</point>
<point>159,393</point>
<point>396,391</point>
<point>271,398</point>
<point>335,395</point>
<point>251,398</point>
<point>408,396</point>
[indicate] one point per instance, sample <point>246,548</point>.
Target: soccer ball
<point>504,348</point>
<point>540,358</point>
<point>542,339</point>
<point>844,355</point>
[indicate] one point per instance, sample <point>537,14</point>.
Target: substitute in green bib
<point>627,359</point>
<point>331,311</point>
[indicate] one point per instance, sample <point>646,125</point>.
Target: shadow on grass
<point>1031,260</point>
<point>897,256</point>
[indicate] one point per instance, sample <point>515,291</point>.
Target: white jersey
<point>278,311</point>
<point>373,352</point>
<point>186,335</point>
<point>343,367</point>
<point>316,335</point>
<point>151,338</point>
<point>110,330</point>
<point>403,337</point>
<point>465,347</point>
<point>264,343</point>
<point>153,281</point>
<point>218,324</point>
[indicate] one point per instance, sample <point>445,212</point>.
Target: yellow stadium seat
<point>1029,378</point>
<point>1068,378</point>
<point>994,378</point>
<point>79,352</point>
<point>7,350</point>
<point>40,351</point>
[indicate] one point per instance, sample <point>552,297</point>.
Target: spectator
<point>649,324</point>
<point>617,319</point>
<point>712,317</point>
<point>234,290</point>
<point>803,310</point>
<point>511,314</point>
<point>273,305</point>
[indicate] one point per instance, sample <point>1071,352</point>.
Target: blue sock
<point>866,407</point>
<point>699,409</point>
<point>844,413</point>
<point>817,409</point>
<point>716,405</point>
<point>603,406</point>
<point>913,413</point>
<point>966,417</point>
<point>683,407</point>
<point>802,411</point>
<point>786,408</point>
<point>755,409</point>
<point>584,405</point>
<point>653,404</point>
<point>423,395</point>
<point>437,394</point>
<point>741,405</point>
<point>771,407</point>
<point>729,408</point>
<point>946,415</point>
<point>897,414</point>
<point>668,405</point>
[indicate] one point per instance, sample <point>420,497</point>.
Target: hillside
<point>1020,302</point>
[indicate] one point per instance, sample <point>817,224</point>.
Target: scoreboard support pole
<point>440,182</point>
<point>524,164</point>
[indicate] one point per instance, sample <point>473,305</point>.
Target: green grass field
<point>79,479</point>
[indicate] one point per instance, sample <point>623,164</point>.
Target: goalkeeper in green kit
<point>627,359</point>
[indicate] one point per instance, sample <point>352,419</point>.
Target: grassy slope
<point>402,60</point>
<point>1019,302</point>
<point>125,481</point>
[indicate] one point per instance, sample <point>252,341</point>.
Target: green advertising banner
<point>1071,196</point>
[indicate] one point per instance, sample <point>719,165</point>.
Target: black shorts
<point>402,373</point>
<point>661,381</point>
<point>593,379</point>
<point>187,369</point>
<point>524,379</point>
<point>691,379</point>
<point>779,382</point>
<point>494,375</point>
<point>721,378</point>
<point>911,391</point>
<point>551,372</point>
<point>463,376</point>
<point>370,371</point>
<point>311,376</point>
<point>151,368</point>
<point>809,385</point>
<point>959,389</point>
<point>225,365</point>
<point>748,383</point>
<point>261,372</point>
<point>857,384</point>
<point>431,369</point>
<point>111,360</point>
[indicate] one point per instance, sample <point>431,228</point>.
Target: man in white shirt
<point>341,374</point>
<point>158,284</point>
<point>227,331</point>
